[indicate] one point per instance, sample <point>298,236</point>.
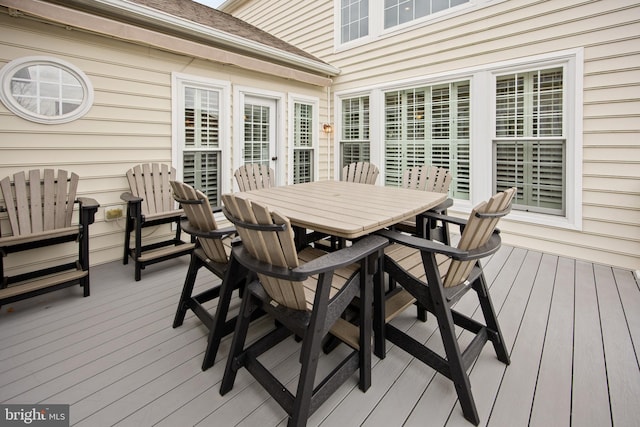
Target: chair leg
<point>379,341</point>
<point>457,371</point>
<point>491,320</point>
<point>187,290</point>
<point>237,343</point>
<point>422,313</point>
<point>311,347</point>
<point>456,365</point>
<point>368,270</point>
<point>232,279</point>
<point>138,275</point>
<point>127,239</point>
<point>85,286</point>
<point>138,250</point>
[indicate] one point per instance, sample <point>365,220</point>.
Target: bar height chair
<point>445,274</point>
<point>306,293</point>
<point>361,172</point>
<point>150,203</point>
<point>428,178</point>
<point>39,210</point>
<point>254,176</point>
<point>211,252</point>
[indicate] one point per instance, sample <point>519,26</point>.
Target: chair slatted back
<point>427,178</point>
<point>360,172</point>
<point>273,247</point>
<point>481,224</point>
<point>254,176</point>
<point>200,216</point>
<point>35,205</point>
<point>151,183</point>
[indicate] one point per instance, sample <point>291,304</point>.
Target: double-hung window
<point>198,147</point>
<point>303,142</point>
<point>355,137</point>
<point>428,125</point>
<point>530,143</point>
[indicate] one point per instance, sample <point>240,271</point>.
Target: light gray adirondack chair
<point>150,203</point>
<point>40,211</point>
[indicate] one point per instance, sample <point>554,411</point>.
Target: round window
<point>45,90</point>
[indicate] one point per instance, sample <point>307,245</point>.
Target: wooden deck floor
<point>573,329</point>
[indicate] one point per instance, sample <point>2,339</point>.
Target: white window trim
<point>239,94</point>
<point>7,72</point>
<point>375,132</point>
<point>572,63</point>
<point>482,80</point>
<point>376,22</point>
<point>178,82</point>
<point>315,102</point>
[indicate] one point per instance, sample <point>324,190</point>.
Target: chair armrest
<point>220,233</point>
<point>88,209</point>
<point>343,257</point>
<point>492,245</point>
<point>323,264</point>
<point>461,222</point>
<point>88,203</point>
<point>130,198</point>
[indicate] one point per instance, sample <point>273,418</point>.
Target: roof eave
<point>172,22</point>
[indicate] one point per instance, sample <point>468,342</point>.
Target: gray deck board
<point>590,395</point>
<point>572,327</point>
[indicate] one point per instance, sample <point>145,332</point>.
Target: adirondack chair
<point>444,276</point>
<point>254,177</point>
<point>211,252</point>
<point>149,203</point>
<point>306,293</point>
<point>40,212</point>
<point>362,172</point>
<point>427,178</point>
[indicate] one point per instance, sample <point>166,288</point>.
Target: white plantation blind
<point>303,151</point>
<point>354,141</point>
<point>201,153</point>
<point>256,134</point>
<point>429,125</point>
<point>529,149</point>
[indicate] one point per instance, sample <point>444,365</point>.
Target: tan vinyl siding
<point>129,123</point>
<point>609,33</point>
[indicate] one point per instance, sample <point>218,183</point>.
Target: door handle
<point>274,158</point>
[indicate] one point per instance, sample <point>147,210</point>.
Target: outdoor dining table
<point>348,210</point>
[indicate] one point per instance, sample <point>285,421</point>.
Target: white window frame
<point>339,130</point>
<point>376,21</point>
<point>178,82</point>
<point>315,103</point>
<point>9,70</point>
<point>572,63</point>
<point>482,128</point>
<point>239,94</point>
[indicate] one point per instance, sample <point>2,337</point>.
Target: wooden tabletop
<point>345,209</point>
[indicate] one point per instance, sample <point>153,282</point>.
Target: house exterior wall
<point>130,121</point>
<point>606,36</point>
